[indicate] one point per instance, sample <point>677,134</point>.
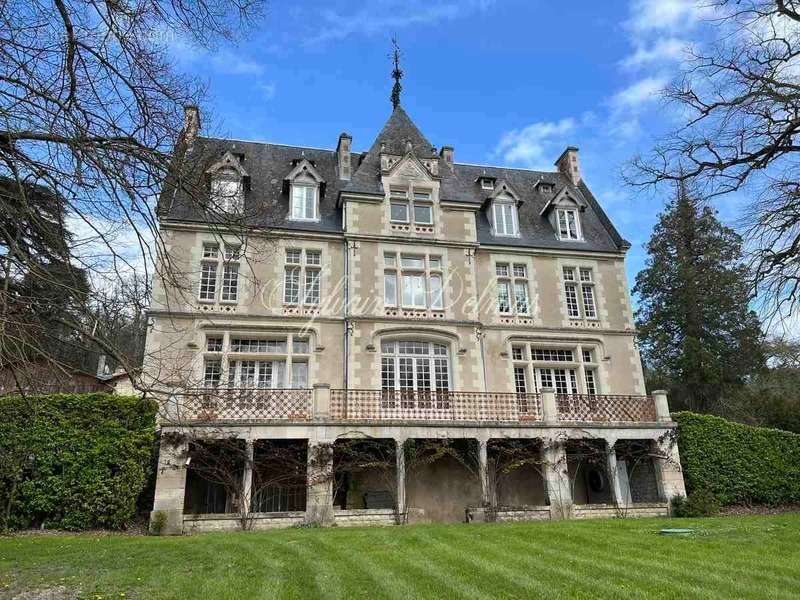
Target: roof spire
<point>397,74</point>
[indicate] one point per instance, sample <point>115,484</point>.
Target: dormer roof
<point>228,161</point>
<point>560,197</point>
<point>304,166</point>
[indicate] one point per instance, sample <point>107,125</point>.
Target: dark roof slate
<point>267,199</point>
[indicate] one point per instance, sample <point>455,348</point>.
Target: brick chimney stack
<point>343,156</point>
<point>191,123</point>
<point>569,166</point>
<point>446,154</point>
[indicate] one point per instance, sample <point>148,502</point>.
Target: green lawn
<point>755,557</point>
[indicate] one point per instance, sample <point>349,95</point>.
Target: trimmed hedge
<point>739,464</point>
<point>73,461</point>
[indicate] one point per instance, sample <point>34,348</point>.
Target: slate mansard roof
<point>267,195</point>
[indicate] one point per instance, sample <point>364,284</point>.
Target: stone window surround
<point>398,269</point>
<point>450,340</point>
<point>304,268</point>
<point>601,320</point>
<point>578,364</point>
<point>226,254</point>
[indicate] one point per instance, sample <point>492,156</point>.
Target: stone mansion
<point>397,295</point>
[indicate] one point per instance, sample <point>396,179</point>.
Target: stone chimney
<point>446,154</point>
<point>343,156</point>
<point>191,123</point>
<point>568,165</point>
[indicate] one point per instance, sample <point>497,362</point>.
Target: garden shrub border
<point>738,463</point>
<point>74,461</point>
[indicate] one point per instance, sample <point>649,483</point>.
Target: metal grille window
<point>512,278</point>
<point>303,269</point>
<point>420,281</point>
<point>579,293</point>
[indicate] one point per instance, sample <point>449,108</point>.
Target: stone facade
<point>399,295</point>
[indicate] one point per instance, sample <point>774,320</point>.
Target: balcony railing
<point>378,405</point>
<point>322,404</point>
<point>592,408</point>
<point>243,404</point>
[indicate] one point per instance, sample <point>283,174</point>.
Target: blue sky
<point>504,82</point>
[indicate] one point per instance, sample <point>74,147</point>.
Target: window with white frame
<point>417,209</point>
<point>302,273</point>
<point>415,366</point>
<point>536,367</point>
<point>304,202</point>
<point>487,183</point>
<point>505,220</point>
<point>512,288</point>
<point>568,224</point>
<point>258,362</point>
<point>413,280</point>
<point>579,292</point>
<point>227,191</point>
<point>216,262</point>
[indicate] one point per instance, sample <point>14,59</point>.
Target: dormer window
<point>487,183</point>
<point>505,220</point>
<point>227,193</point>
<point>568,224</point>
<point>304,202</point>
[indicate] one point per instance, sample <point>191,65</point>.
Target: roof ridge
<point>527,170</point>
<point>268,143</point>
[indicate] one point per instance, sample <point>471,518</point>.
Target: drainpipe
<point>346,341</point>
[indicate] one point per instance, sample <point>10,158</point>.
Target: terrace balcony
<point>322,404</point>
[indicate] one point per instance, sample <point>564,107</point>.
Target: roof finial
<point>397,74</point>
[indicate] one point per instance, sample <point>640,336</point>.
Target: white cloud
<point>638,94</point>
<point>664,50</point>
<point>267,89</point>
<point>231,63</point>
<point>667,15</point>
<point>535,146</point>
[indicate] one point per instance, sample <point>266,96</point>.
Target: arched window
<point>415,372</point>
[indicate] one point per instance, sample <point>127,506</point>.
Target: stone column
<point>170,487</point>
<point>321,401</point>
<point>662,406</point>
<point>556,479</point>
<point>247,478</point>
<point>549,406</point>
<point>319,478</point>
<point>618,481</point>
<point>400,479</point>
<point>669,475</point>
<point>483,472</point>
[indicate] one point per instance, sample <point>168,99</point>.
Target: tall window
<point>413,281</point>
<point>418,209</point>
<point>536,367</point>
<point>512,288</point>
<point>415,368</point>
<point>304,202</point>
<point>215,261</point>
<point>504,218</point>
<point>301,279</point>
<point>227,194</point>
<point>267,363</point>
<point>579,293</point>
<point>568,224</point>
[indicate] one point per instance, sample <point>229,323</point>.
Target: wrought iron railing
<point>605,408</point>
<point>442,405</point>
<point>242,404</point>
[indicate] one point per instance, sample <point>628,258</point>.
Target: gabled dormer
<point>503,204</point>
<point>228,179</point>
<point>564,212</point>
<point>306,186</point>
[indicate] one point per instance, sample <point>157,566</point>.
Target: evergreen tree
<point>697,334</point>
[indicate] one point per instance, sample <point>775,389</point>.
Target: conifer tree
<point>697,334</point>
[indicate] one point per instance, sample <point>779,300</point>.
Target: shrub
<point>73,461</point>
<point>701,503</point>
<point>736,463</point>
<point>157,522</point>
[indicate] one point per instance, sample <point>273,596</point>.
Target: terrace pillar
<point>170,486</point>
<point>321,409</point>
<point>669,475</point>
<point>556,479</point>
<point>247,478</point>
<point>662,406</point>
<point>319,483</point>
<point>617,476</point>
<point>400,476</point>
<point>549,406</point>
<point>483,472</point>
